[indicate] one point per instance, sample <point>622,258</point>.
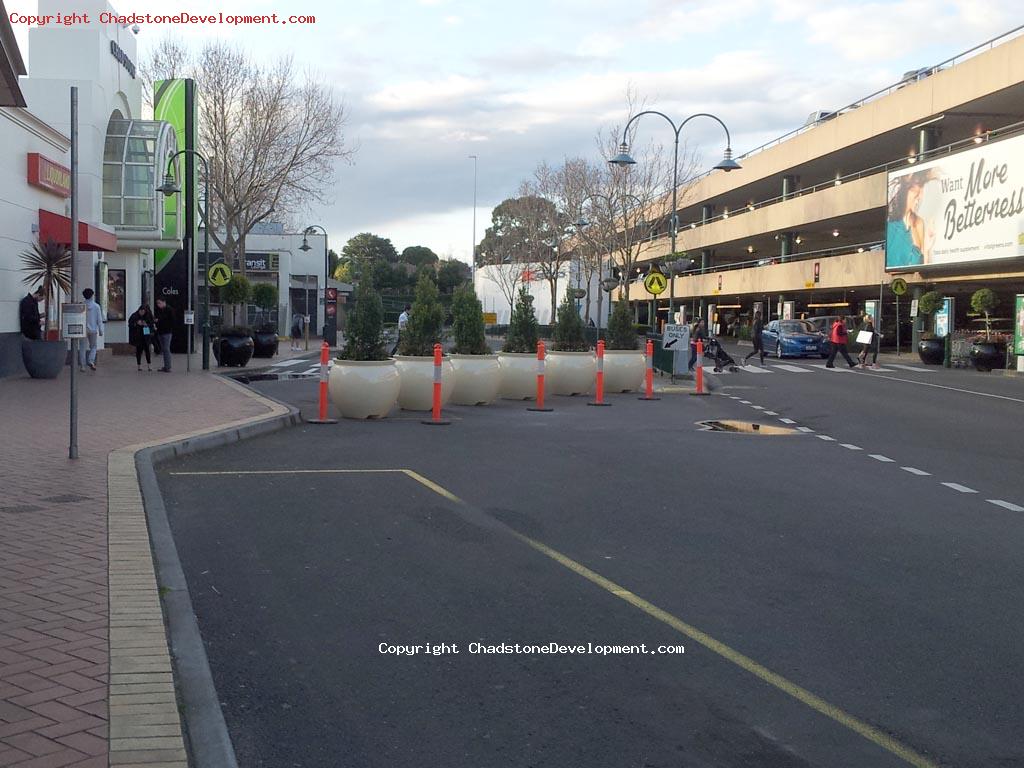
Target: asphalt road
<point>836,609</point>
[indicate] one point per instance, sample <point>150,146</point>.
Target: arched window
<point>135,159</point>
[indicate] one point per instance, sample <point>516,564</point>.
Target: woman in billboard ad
<point>910,231</point>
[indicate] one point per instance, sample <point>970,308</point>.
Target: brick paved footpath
<point>55,615</point>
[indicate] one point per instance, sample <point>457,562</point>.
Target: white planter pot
<point>477,379</point>
<point>364,389</point>
<point>571,373</point>
<point>623,370</point>
<point>417,375</point>
<point>519,376</point>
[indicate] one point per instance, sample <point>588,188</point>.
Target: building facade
<point>801,228</point>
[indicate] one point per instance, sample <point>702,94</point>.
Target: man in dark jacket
<point>164,316</point>
<point>29,313</point>
<point>755,337</point>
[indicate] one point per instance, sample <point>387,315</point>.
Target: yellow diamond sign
<point>655,283</point>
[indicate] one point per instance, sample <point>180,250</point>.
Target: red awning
<point>53,226</point>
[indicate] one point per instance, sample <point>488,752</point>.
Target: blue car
<point>797,338</point>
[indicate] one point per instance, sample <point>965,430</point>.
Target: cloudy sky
<point>429,82</point>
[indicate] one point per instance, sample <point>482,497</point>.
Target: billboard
<point>959,209</point>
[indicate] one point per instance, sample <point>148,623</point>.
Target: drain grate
<point>745,427</point>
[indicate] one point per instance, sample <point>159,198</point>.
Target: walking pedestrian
<point>755,336</point>
<point>872,344</point>
<point>297,320</point>
<point>164,331</point>
<point>403,322</point>
<point>93,330</point>
<point>699,334</point>
<point>141,332</point>
<point>838,338</point>
<point>29,314</point>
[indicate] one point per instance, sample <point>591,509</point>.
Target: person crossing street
<point>838,337</point>
<point>755,337</point>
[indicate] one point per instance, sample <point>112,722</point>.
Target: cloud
<point>426,94</point>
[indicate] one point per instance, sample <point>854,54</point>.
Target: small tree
<point>264,296</point>
<point>47,265</point>
<point>569,335</point>
<point>236,292</point>
<point>522,327</point>
<point>426,320</point>
<point>363,339</point>
<point>468,323</point>
<point>621,334</point>
<point>928,305</point>
<point>984,300</point>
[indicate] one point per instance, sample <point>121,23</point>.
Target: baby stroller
<point>722,359</point>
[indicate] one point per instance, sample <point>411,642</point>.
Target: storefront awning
<point>53,226</point>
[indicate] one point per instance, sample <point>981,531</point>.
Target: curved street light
<point>311,229</point>
<point>624,159</point>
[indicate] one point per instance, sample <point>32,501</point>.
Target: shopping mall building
<point>801,229</point>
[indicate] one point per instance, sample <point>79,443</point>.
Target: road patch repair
<point>745,427</point>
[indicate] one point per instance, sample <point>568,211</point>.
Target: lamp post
<point>170,187</point>
<point>726,164</point>
<point>472,257</point>
<point>311,229</point>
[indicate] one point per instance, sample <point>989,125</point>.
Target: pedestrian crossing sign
<point>219,274</point>
<point>655,283</point>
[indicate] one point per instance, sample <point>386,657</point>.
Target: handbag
<point>864,337</point>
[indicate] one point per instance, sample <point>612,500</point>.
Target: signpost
<point>677,341</point>
<point>655,283</point>
<point>219,274</point>
<point>898,286</point>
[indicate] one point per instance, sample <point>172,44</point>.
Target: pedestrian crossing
<point>811,367</point>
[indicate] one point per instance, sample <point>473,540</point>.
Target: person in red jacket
<point>838,338</point>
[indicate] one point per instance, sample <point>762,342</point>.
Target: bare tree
<point>170,59</point>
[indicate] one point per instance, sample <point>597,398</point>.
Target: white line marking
<point>880,457</point>
<point>315,369</point>
<point>734,397</point>
<point>283,363</point>
<point>791,368</point>
<point>770,413</point>
<point>826,437</point>
<point>916,471</point>
<point>851,446</point>
<point>956,389</point>
<point>757,407</point>
<point>787,421</point>
<point>745,402</point>
<point>960,488</point>
<point>1005,505</point>
<point>914,368</point>
<point>805,429</point>
<point>754,369</point>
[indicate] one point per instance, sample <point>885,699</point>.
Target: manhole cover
<point>745,427</point>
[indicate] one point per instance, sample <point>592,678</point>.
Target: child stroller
<point>722,359</point>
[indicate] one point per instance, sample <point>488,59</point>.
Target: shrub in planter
<point>571,366</point>
<point>238,291</point>
<point>931,349</point>
<point>477,371</point>
<point>518,354</point>
<point>364,381</point>
<point>48,266</point>
<point>569,335</point>
<point>984,300</point>
<point>623,360</point>
<point>234,346</point>
<point>415,360</point>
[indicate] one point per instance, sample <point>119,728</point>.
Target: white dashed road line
<point>805,429</point>
<point>960,488</point>
<point>745,402</point>
<point>770,413</point>
<point>916,471</point>
<point>826,438</point>
<point>787,421</point>
<point>880,457</point>
<point>757,407</point>
<point>791,368</point>
<point>1005,505</point>
<point>851,446</point>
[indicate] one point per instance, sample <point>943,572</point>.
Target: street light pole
<point>169,187</point>
<point>726,164</point>
<point>472,265</point>
<point>311,229</point>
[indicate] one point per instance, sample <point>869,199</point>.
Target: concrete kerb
<point>140,538</point>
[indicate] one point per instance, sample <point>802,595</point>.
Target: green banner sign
<point>1018,326</point>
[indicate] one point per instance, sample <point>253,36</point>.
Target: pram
<point>722,359</point>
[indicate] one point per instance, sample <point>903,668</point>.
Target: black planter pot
<point>233,350</point>
<point>43,359</point>
<point>932,351</point>
<point>264,344</point>
<point>986,355</point>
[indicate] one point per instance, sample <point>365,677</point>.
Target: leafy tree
<point>468,325</point>
<point>569,335</point>
<point>522,327</point>
<point>264,296</point>
<point>930,303</point>
<point>426,320</point>
<point>418,255</point>
<point>333,261</point>
<point>363,339</point>
<point>984,300</point>
<point>366,248</point>
<point>621,333</point>
<point>48,265</point>
<point>238,291</point>
<point>451,273</point>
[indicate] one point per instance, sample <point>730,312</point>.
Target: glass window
<point>145,128</point>
<point>140,150</point>
<point>112,210</point>
<point>113,148</point>
<point>118,127</point>
<point>138,213</point>
<point>138,181</point>
<point>112,179</point>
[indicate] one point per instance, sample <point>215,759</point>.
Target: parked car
<point>793,338</point>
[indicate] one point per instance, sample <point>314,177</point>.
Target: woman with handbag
<point>867,342</point>
<point>142,333</point>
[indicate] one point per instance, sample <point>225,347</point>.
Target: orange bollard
<point>540,380</point>
<point>700,369</point>
<point>435,416</point>
<point>600,376</point>
<point>325,352</point>
<point>649,357</point>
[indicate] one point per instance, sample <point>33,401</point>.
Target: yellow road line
<point>764,674</point>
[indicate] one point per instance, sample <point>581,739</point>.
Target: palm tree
<point>47,265</point>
